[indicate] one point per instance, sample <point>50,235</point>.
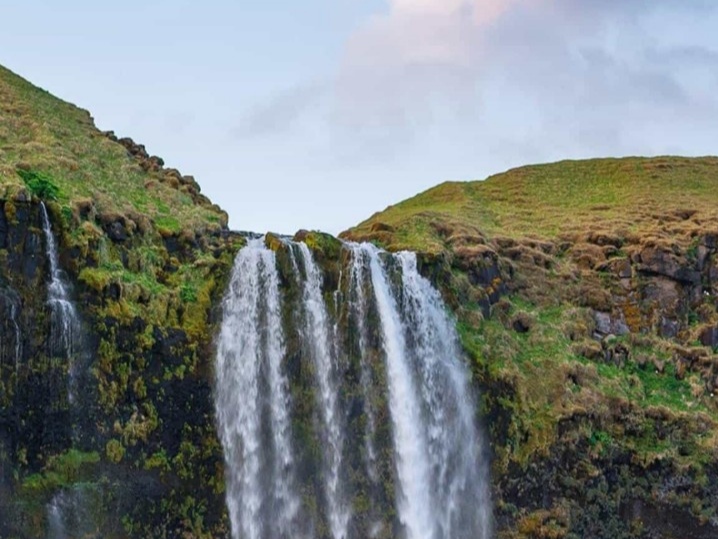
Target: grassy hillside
<point>149,258</point>
<point>44,137</point>
<point>585,293</point>
<point>629,196</point>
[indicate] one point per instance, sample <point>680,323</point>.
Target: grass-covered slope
<point>586,297</point>
<point>114,204</point>
<point>52,139</point>
<point>629,196</point>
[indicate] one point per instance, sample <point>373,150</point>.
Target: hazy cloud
<point>585,76</point>
<point>279,113</point>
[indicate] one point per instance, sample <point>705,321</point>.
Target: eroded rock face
<point>140,433</point>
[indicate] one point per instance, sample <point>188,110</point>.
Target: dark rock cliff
<point>142,434</point>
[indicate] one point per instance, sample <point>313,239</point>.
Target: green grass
<point>54,148</point>
<point>554,382</point>
<point>618,196</point>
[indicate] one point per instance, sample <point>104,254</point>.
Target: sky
<point>316,114</point>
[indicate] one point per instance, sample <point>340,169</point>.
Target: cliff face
<point>139,440</point>
<point>593,334</point>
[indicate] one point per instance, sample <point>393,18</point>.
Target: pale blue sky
<point>316,114</point>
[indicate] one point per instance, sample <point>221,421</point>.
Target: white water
<point>55,527</point>
<point>458,485</point>
<point>358,278</point>
<point>261,498</point>
<point>66,513</point>
<point>393,316</point>
<point>316,333</point>
<point>64,329</point>
<point>414,497</point>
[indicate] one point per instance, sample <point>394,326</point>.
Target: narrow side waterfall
<point>67,513</point>
<point>344,404</point>
<point>64,329</point>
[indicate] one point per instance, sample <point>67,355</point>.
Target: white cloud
<point>575,71</point>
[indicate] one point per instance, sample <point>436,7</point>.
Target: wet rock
<point>116,231</point>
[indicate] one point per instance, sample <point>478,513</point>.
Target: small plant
<point>188,293</point>
<point>40,184</point>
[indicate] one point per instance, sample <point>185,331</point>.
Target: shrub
<point>40,184</point>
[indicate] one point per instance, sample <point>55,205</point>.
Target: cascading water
<point>251,388</point>
<point>67,513</point>
<point>345,413</point>
<point>316,333</point>
<point>359,309</point>
<point>64,327</point>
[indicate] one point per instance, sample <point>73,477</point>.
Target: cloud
<point>279,113</point>
<point>582,75</point>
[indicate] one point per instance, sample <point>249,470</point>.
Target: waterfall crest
<point>344,405</point>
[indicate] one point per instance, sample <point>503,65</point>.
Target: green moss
<point>115,451</point>
<point>61,471</point>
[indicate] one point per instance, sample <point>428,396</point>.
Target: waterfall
<point>64,322</point>
<point>359,309</point>
<point>380,439</point>
<point>316,333</point>
<point>67,514</point>
<point>251,386</point>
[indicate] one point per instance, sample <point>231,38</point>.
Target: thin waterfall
<point>414,497</point>
<point>317,334</point>
<point>64,322</point>
<point>460,487</point>
<point>380,363</point>
<point>359,307</point>
<point>67,513</point>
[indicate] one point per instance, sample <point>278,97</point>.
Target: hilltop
<point>627,197</point>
